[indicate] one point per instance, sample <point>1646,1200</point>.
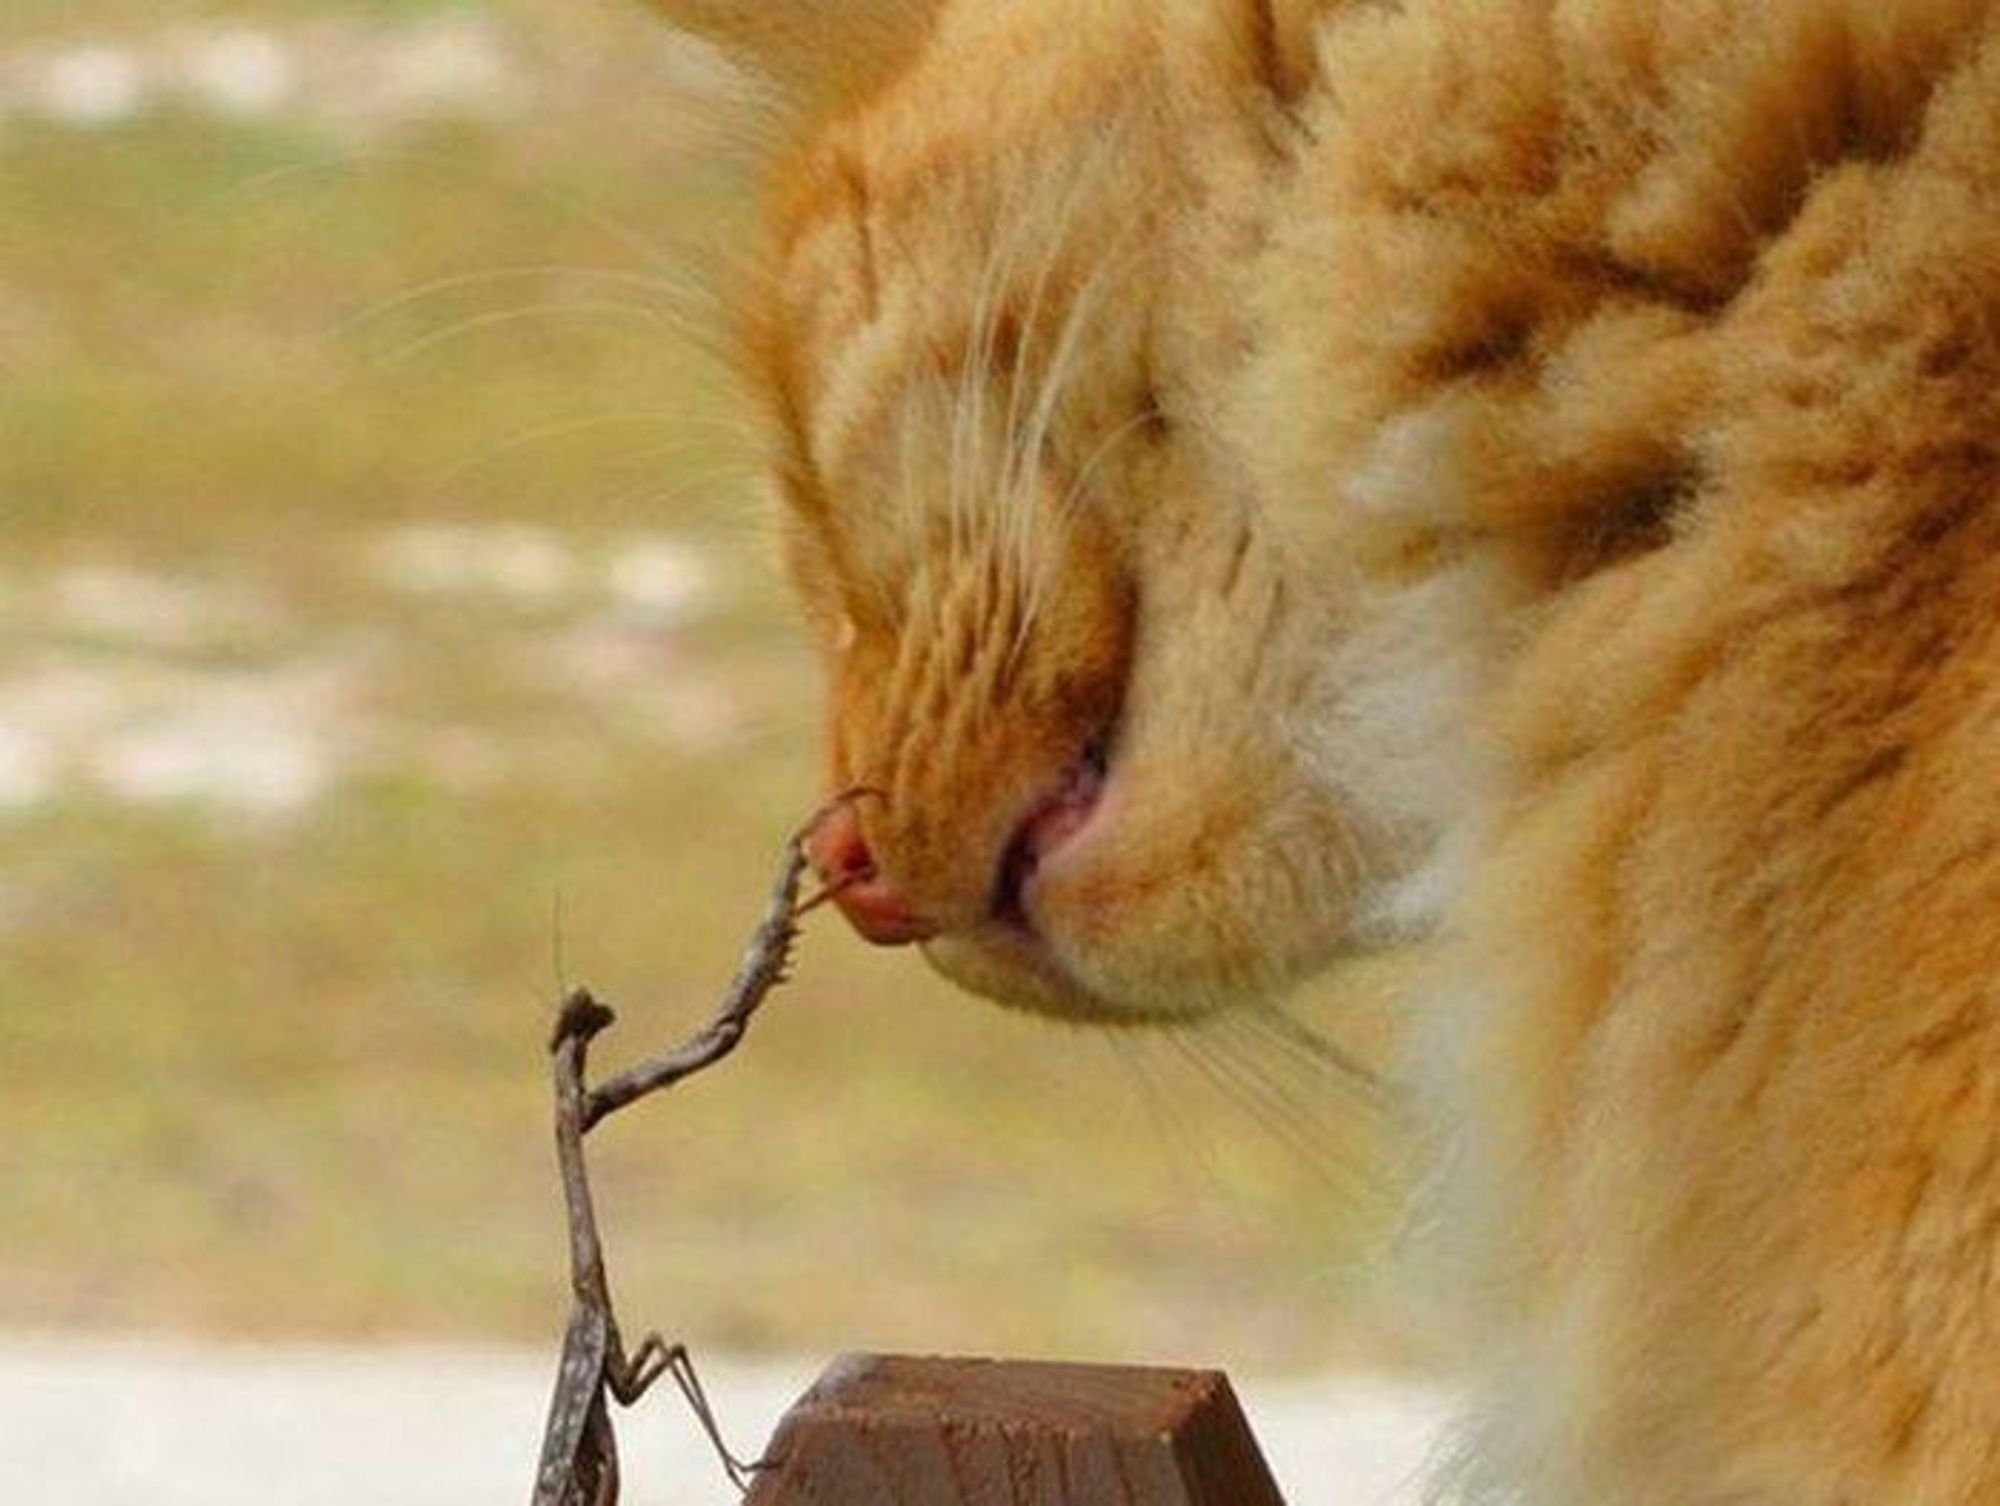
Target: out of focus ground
<point>166,1425</point>
<point>387,635</point>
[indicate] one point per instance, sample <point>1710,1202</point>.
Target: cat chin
<point>1011,966</point>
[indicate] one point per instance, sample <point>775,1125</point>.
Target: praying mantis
<point>579,1459</point>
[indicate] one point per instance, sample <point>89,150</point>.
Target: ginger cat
<point>1274,478</point>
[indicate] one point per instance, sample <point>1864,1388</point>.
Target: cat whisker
<point>687,295</point>
<point>1027,442</point>
<point>573,209</point>
<point>1321,1118</point>
<point>543,433</point>
<point>1055,247</point>
<point>475,323</point>
<point>1299,1042</point>
<point>1289,1119</point>
<point>981,482</point>
<point>1062,510</point>
<point>655,496</point>
<point>912,500</point>
<point>1188,1152</point>
<point>767,731</point>
<point>967,460</point>
<point>1034,441</point>
<point>1079,484</point>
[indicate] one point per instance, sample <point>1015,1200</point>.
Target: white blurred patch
<point>639,680</point>
<point>147,609</point>
<point>512,561</point>
<point>240,72</point>
<point>652,580</point>
<point>242,747</point>
<point>57,701</point>
<point>28,773</point>
<point>450,66</point>
<point>664,580</point>
<point>153,688</point>
<point>347,72</point>
<point>258,742</point>
<point>89,85</point>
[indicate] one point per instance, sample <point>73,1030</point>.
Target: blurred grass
<point>88,19</point>
<point>283,1076</point>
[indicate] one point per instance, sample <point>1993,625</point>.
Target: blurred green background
<point>386,628</point>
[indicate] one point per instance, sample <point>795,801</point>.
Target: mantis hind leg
<point>632,1376</point>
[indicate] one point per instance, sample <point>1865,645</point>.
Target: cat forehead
<point>968,160</point>
<point>931,238</point>
<point>901,300</point>
<point>930,247</point>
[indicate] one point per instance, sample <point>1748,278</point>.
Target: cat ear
<point>813,49</point>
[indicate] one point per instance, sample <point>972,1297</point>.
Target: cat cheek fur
<point>1214,869</point>
<point>1220,866</point>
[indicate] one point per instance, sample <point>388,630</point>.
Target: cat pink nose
<point>839,851</point>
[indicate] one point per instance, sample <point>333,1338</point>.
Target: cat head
<point>1068,658</point>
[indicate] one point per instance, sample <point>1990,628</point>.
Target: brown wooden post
<point>884,1430</point>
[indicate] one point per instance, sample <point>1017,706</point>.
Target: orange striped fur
<point>1521,475</point>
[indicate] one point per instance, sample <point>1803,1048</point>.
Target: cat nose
<point>840,853</point>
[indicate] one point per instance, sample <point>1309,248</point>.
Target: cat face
<point>1066,656</point>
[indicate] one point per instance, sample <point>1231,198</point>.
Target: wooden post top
<point>884,1430</point>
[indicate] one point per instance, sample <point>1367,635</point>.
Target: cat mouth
<point>1012,958</point>
<point>1015,953</point>
<point>1055,821</point>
